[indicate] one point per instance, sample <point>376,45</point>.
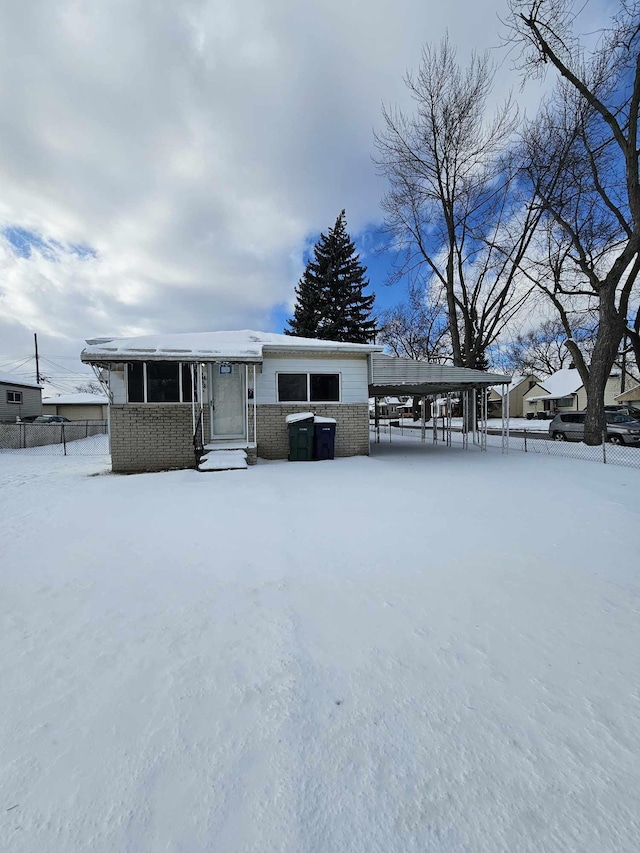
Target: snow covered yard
<point>422,650</point>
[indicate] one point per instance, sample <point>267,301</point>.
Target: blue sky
<point>165,167</point>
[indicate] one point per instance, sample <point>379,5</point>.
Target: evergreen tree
<point>330,302</point>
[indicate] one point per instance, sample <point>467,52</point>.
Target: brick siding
<point>151,438</point>
<point>145,437</point>
<point>352,430</point>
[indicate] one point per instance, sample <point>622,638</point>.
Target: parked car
<point>29,419</point>
<point>634,411</point>
<point>621,428</point>
<point>51,419</point>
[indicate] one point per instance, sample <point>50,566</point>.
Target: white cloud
<point>194,146</point>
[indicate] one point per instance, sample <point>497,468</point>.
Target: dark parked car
<point>621,428</point>
<point>633,411</point>
<point>51,419</point>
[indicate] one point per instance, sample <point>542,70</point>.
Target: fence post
<point>86,429</point>
<point>525,440</point>
<point>64,443</point>
<point>604,446</point>
<point>23,438</point>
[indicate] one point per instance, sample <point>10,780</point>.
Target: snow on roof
<point>631,394</point>
<point>516,380</point>
<point>562,383</point>
<point>235,345</point>
<point>76,400</point>
<point>14,379</point>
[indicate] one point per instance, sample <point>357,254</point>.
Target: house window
<point>14,396</point>
<point>159,382</point>
<point>308,387</point>
<point>292,388</point>
<point>324,388</point>
<point>565,401</point>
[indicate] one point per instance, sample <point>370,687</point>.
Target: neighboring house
<point>77,407</point>
<point>388,407</point>
<point>519,390</point>
<point>631,397</point>
<point>237,388</point>
<point>564,391</point>
<point>19,398</point>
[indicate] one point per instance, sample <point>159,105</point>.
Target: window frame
<point>308,374</point>
<point>15,402</point>
<point>180,365</point>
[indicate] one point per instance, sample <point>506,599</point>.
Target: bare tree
<point>89,388</point>
<point>452,210</point>
<point>417,328</point>
<point>543,350</point>
<point>582,162</point>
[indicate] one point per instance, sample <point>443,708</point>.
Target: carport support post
<point>434,419</point>
<point>465,419</point>
<point>483,419</point>
<point>423,431</point>
<point>449,419</point>
<point>376,419</point>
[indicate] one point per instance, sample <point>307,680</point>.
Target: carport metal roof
<point>393,375</point>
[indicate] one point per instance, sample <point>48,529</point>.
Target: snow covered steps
<point>222,460</point>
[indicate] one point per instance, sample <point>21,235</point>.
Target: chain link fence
<point>524,441</point>
<point>76,438</point>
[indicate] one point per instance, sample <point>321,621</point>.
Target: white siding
<point>353,372</point>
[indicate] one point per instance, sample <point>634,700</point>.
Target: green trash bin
<point>300,437</point>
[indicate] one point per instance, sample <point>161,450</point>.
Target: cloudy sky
<point>165,165</point>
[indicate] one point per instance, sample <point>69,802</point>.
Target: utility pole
<point>35,338</point>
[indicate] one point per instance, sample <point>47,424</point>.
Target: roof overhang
<point>629,395</point>
<point>551,397</point>
<point>389,375</point>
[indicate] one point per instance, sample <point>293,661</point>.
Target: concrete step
<point>223,460</point>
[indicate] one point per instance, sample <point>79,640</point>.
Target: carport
<point>394,376</point>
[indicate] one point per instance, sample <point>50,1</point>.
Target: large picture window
<point>308,387</point>
<point>159,382</point>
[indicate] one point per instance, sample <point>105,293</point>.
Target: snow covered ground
<point>423,650</point>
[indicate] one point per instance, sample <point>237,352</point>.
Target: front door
<point>227,401</point>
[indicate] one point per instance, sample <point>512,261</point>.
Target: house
<point>564,391</point>
<point>236,387</point>
<point>233,391</point>
<point>630,397</point>
<point>77,407</point>
<point>19,398</point>
<point>388,407</point>
<point>519,389</point>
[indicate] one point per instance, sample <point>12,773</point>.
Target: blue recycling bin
<point>324,439</point>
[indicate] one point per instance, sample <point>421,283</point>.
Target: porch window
<point>308,387</point>
<point>187,384</point>
<point>163,383</point>
<point>135,382</point>
<point>159,382</point>
<point>14,396</point>
<point>564,402</point>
